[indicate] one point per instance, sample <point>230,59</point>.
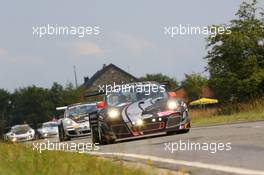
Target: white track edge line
<point>223,168</point>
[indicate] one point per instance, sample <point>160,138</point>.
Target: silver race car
<point>49,129</point>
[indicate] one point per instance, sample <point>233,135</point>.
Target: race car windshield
<point>50,125</point>
<point>132,95</point>
<point>79,110</point>
<point>20,129</point>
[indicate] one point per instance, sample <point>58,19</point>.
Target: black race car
<point>136,110</point>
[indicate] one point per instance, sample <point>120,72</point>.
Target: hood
<point>80,118</point>
<point>140,109</point>
<point>21,131</point>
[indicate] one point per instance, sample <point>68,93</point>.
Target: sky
<point>131,37</point>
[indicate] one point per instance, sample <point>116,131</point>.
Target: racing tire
<point>36,137</point>
<point>62,135</point>
<point>97,133</point>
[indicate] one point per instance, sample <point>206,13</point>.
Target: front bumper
<point>77,132</point>
<point>151,125</point>
<point>21,138</point>
<point>49,134</point>
<point>163,124</point>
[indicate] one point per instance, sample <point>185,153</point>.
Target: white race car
<point>76,121</point>
<point>19,133</point>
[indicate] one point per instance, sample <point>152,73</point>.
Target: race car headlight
<point>172,105</point>
<point>68,122</point>
<point>113,113</point>
<point>139,122</point>
<point>14,139</point>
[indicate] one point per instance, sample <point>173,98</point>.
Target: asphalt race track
<point>245,157</point>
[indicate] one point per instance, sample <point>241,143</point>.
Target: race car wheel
<point>62,135</point>
<point>97,135</point>
<point>107,137</point>
<point>37,135</point>
<point>98,132</point>
<point>60,132</point>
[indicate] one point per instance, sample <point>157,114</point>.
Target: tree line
<point>34,105</point>
<point>236,60</point>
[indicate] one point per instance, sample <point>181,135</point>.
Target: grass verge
<point>233,118</point>
<point>250,111</point>
<point>17,159</point>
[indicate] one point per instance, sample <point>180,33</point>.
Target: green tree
<point>72,95</point>
<point>193,84</point>
<point>236,59</point>
<point>31,105</point>
<point>56,96</point>
<point>35,105</point>
<point>173,84</point>
<point>63,96</point>
<point>5,97</point>
<point>4,109</point>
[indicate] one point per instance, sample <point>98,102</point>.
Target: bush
<point>250,105</point>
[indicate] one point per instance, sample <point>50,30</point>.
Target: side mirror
<point>100,104</point>
<point>172,94</point>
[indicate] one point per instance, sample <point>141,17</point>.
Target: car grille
<point>86,132</point>
<point>21,138</point>
<point>151,126</point>
<point>173,121</point>
<point>72,132</point>
<point>120,129</point>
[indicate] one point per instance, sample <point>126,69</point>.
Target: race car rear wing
<point>63,108</point>
<point>92,94</point>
